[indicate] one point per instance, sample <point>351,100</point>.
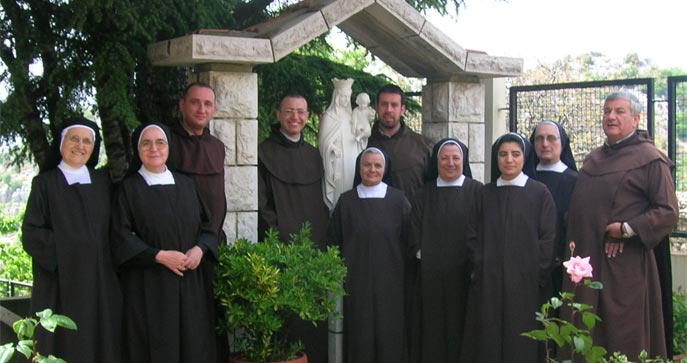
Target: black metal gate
<point>578,107</point>
<point>677,142</point>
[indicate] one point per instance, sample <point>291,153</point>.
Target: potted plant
<point>263,284</point>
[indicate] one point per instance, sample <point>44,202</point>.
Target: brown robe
<point>627,182</point>
<point>289,194</point>
<point>202,158</point>
<point>409,153</point>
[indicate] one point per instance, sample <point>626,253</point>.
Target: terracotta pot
<point>302,359</point>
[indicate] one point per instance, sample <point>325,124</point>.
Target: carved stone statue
<point>362,118</point>
<point>337,143</point>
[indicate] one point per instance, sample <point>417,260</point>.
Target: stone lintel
<point>338,11</point>
<point>487,66</point>
<point>204,48</point>
<point>293,35</point>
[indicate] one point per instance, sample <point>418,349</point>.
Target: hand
<point>615,230</point>
<point>613,238</point>
<point>173,260</point>
<point>612,249</point>
<point>193,257</point>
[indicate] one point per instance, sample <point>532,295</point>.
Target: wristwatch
<point>623,230</point>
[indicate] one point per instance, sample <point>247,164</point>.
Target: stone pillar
<point>496,109</point>
<point>455,108</point>
<point>236,124</point>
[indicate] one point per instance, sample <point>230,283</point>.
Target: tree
<point>59,56</point>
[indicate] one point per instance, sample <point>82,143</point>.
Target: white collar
<point>164,178</point>
<point>558,167</point>
<point>75,175</point>
<point>455,183</point>
<point>375,191</point>
<point>623,139</point>
<point>518,181</point>
<point>289,137</point>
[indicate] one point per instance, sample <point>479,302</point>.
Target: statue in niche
<point>363,115</point>
<point>337,143</point>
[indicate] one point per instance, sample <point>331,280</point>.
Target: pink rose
<point>578,268</point>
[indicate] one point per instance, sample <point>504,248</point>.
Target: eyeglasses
<point>291,112</point>
<point>147,145</point>
<point>549,138</point>
<point>75,139</point>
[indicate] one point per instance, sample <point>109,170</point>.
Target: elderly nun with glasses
<point>161,234</point>
<point>66,231</point>
<point>555,167</point>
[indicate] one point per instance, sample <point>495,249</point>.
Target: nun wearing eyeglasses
<point>162,233</point>
<point>514,259</point>
<point>369,224</point>
<point>444,220</point>
<point>555,167</point>
<point>66,231</point>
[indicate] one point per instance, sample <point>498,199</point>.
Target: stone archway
<point>455,101</point>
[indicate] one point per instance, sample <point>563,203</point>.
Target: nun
<point>515,256</point>
<point>66,231</point>
<point>444,221</point>
<point>161,234</point>
<point>369,225</point>
<point>556,168</point>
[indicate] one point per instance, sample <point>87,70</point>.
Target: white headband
<point>146,128</point>
<point>450,142</point>
<point>372,150</point>
<point>547,122</point>
<point>64,132</point>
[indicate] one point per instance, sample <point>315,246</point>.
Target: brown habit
<point>409,153</point>
<point>627,182</point>
<point>289,194</point>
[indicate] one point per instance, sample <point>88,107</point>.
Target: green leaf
<point>578,343</point>
<point>536,335</point>
<point>49,323</point>
<point>52,359</point>
<point>596,285</point>
<point>556,302</point>
<point>6,352</point>
<point>590,319</point>
<point>24,328</point>
<point>44,314</point>
<point>64,321</point>
<point>25,347</point>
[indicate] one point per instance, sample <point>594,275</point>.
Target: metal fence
<point>677,143</point>
<point>578,107</point>
<point>9,288</point>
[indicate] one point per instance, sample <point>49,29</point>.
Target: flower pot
<point>302,359</point>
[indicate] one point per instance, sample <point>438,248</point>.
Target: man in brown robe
<point>200,156</point>
<point>409,151</point>
<point>623,206</point>
<point>290,176</point>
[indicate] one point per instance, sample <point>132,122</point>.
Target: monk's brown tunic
<point>627,182</point>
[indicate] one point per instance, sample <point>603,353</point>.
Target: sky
<point>547,30</point>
